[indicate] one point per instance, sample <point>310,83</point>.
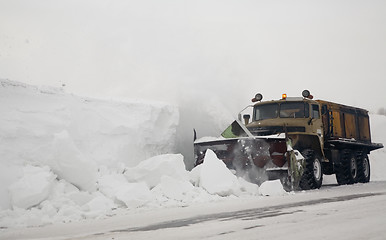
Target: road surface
<point>332,212</point>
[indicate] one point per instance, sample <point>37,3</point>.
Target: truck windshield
<point>294,110</point>
<point>287,110</point>
<point>266,111</point>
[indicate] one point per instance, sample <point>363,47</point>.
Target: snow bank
<point>73,136</point>
<point>105,131</point>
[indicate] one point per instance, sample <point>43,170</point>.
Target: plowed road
<point>332,212</point>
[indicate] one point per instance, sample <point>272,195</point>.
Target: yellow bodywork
<point>347,122</point>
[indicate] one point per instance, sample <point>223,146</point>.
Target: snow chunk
<point>194,175</point>
<point>249,188</point>
<point>33,188</point>
<point>70,164</point>
<point>111,184</point>
<point>152,169</point>
<point>99,205</point>
<point>65,193</point>
<point>115,186</point>
<point>135,195</point>
<point>216,178</point>
<point>272,188</point>
<point>173,188</point>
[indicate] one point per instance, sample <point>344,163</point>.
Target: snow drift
<point>74,136</point>
<point>52,200</point>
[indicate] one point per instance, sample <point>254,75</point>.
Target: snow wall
<point>74,135</point>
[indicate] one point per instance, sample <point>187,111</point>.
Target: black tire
<point>346,170</point>
<point>363,167</point>
<point>313,173</point>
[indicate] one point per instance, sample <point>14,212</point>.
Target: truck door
<point>326,121</point>
<point>316,120</point>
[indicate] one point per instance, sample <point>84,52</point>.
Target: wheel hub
<point>317,169</point>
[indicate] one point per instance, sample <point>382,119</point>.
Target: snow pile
<point>216,178</point>
<point>39,198</point>
<point>75,136</point>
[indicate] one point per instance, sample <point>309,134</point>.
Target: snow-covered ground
<point>333,212</point>
<point>65,158</point>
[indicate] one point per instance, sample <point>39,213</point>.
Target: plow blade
<point>261,158</point>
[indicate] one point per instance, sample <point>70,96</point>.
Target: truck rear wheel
<point>313,174</point>
<point>346,170</point>
<point>363,168</point>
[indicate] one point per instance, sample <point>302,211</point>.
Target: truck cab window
<point>266,111</point>
<point>315,111</point>
<point>294,110</point>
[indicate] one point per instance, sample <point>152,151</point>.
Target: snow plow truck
<point>296,140</point>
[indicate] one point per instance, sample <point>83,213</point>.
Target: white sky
<point>166,50</point>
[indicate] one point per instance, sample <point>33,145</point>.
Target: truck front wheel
<point>313,174</point>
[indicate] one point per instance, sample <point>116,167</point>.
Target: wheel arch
<point>306,141</point>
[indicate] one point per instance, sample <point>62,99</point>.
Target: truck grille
<point>265,131</point>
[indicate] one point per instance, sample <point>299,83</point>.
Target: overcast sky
<point>174,49</point>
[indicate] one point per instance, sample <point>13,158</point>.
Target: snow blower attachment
<point>296,140</point>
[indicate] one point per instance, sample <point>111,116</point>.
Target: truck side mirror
<point>246,118</point>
